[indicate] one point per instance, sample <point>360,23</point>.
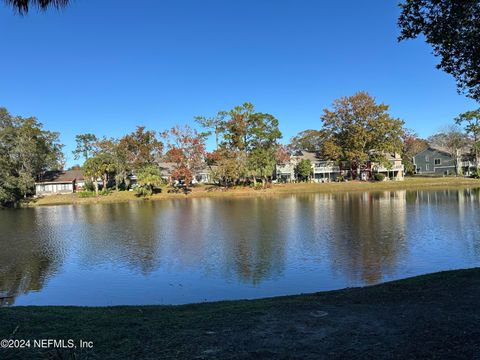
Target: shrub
<point>88,186</point>
<point>476,174</point>
<point>104,192</point>
<point>258,186</point>
<point>85,194</point>
<point>379,177</point>
<point>143,191</point>
<point>149,180</point>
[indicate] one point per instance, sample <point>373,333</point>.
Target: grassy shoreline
<point>276,189</point>
<point>433,316</point>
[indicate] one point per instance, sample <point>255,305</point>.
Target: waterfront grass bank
<point>416,183</point>
<point>433,316</point>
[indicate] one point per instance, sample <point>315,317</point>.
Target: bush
<point>258,186</point>
<point>104,192</point>
<point>379,177</point>
<point>88,186</point>
<point>86,194</point>
<point>476,174</point>
<point>143,191</point>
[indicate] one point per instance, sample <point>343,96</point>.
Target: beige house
<point>395,170</point>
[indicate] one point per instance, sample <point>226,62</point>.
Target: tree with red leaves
<point>142,147</point>
<point>186,149</point>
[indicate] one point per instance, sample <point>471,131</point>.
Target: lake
<point>194,250</point>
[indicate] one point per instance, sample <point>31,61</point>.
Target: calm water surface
<point>193,250</point>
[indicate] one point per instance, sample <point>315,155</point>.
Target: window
<point>427,167</point>
<point>427,159</point>
<point>438,161</point>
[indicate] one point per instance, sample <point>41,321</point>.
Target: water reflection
<point>179,251</point>
<point>369,244</point>
<point>30,252</point>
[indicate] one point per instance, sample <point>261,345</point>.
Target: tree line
<point>247,149</point>
<point>353,130</point>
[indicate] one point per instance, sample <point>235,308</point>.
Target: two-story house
<point>322,170</point>
<point>435,161</point>
<point>395,169</point>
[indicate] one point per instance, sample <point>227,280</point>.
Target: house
<point>59,182</point>
<point>202,175</point>
<point>392,169</point>
<point>285,172</point>
<point>395,169</point>
<point>166,169</point>
<point>437,161</point>
<point>322,170</point>
<point>328,170</point>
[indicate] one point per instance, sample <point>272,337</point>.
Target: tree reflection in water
<point>178,251</point>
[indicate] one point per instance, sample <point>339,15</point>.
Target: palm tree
<point>22,6</point>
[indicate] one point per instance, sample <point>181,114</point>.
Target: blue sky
<point>105,66</point>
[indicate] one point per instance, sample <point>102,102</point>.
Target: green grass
<point>277,189</point>
<point>434,316</point>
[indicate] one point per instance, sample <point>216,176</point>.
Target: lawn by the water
<point>417,183</point>
<point>428,317</point>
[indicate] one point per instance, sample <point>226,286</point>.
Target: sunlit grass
<point>213,191</point>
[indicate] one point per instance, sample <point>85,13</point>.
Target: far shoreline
<point>212,191</point>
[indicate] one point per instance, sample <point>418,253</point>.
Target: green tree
<point>358,129</point>
<point>98,167</point>
<point>148,178</point>
<point>303,170</point>
<point>227,167</point>
<point>471,119</point>
<point>262,145</point>
<point>452,28</point>
<point>26,151</point>
<point>248,147</point>
<point>87,146</point>
<point>115,153</point>
<point>213,124</point>
<point>307,140</point>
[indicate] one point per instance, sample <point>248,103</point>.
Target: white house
<point>59,182</point>
<point>322,170</point>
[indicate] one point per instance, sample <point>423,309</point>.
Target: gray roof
<point>307,155</point>
<point>166,168</point>
<point>466,150</point>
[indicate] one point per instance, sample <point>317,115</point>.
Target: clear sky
<point>105,66</point>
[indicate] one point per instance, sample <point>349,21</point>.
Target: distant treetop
<point>23,6</point>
